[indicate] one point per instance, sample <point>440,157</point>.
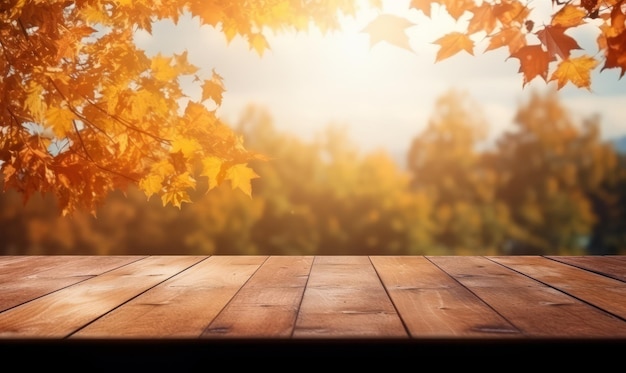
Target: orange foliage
<point>544,50</point>
<point>85,112</point>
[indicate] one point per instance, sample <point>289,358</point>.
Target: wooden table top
<point>335,299</point>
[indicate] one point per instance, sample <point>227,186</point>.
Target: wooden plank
<point>181,306</point>
<point>612,266</point>
<point>61,313</point>
<point>603,292</point>
<point>6,260</point>
<point>17,267</point>
<point>344,298</point>
<point>433,304</point>
<point>33,277</point>
<point>536,309</point>
<point>266,307</point>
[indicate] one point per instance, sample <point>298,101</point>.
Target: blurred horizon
<point>552,186</point>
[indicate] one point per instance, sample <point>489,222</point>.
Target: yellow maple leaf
<point>185,145</point>
<point>240,176</point>
<point>452,43</point>
<point>183,65</point>
<point>162,68</point>
<point>175,197</point>
<point>258,43</point>
<point>213,88</point>
<point>60,119</point>
<point>151,184</point>
<point>569,16</point>
<point>576,70</point>
<point>211,167</point>
<point>34,102</point>
<point>389,28</point>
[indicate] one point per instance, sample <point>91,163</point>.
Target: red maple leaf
<point>556,42</point>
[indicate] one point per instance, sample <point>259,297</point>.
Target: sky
<point>384,95</point>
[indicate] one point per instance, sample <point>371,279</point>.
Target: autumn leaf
<point>151,184</point>
<point>175,198</point>
<point>389,28</point>
<point>511,12</point>
<point>534,62</point>
<point>452,44</point>
<point>556,42</point>
<point>60,119</point>
<point>240,176</point>
<point>187,146</point>
<point>590,5</point>
<point>616,53</point>
<point>456,8</point>
<point>575,70</point>
<point>177,191</point>
<point>569,16</point>
<point>423,5</point>
<point>213,88</point>
<point>510,37</point>
<point>211,168</point>
<point>258,43</point>
<point>34,102</point>
<point>483,19</point>
<point>162,68</point>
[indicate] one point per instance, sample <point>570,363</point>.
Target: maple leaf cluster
<point>543,50</point>
<point>84,112</point>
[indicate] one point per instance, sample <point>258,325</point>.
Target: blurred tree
<point>551,169</point>
<point>325,197</point>
<point>445,163</point>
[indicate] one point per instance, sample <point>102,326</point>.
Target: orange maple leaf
<point>576,70</point>
<point>616,53</point>
<point>452,43</point>
<point>511,37</point>
<point>483,20</point>
<point>423,5</point>
<point>569,16</point>
<point>389,28</point>
<point>456,8</point>
<point>556,42</point>
<point>534,62</point>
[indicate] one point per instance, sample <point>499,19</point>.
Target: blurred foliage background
<point>548,186</point>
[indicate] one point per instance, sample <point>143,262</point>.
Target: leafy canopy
<point>83,111</point>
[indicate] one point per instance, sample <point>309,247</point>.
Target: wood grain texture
<point>26,278</point>
<point>61,313</point>
<point>344,298</point>
<point>589,287</point>
<point>536,309</point>
<point>612,266</point>
<point>267,305</point>
<point>180,307</point>
<point>433,304</point>
<point>222,299</point>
